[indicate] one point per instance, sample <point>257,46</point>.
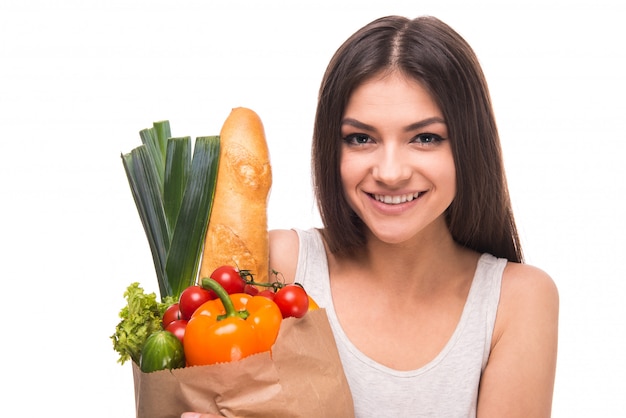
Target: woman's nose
<point>392,166</point>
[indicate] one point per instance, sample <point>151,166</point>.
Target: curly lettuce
<point>139,318</point>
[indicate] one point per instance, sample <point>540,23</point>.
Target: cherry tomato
<point>251,290</point>
<point>171,314</point>
<point>229,278</point>
<point>177,327</point>
<point>292,300</point>
<point>191,298</point>
<point>268,293</point>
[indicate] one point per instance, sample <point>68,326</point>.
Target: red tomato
<point>171,314</point>
<point>268,293</point>
<point>229,278</point>
<point>191,298</point>
<point>177,327</point>
<point>292,300</point>
<point>251,290</point>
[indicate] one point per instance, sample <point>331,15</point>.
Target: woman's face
<point>397,168</point>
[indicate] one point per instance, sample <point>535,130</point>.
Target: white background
<point>79,79</point>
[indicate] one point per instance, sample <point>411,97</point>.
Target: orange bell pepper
<point>231,327</point>
<point>312,304</point>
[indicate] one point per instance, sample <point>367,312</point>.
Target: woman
<point>419,264</point>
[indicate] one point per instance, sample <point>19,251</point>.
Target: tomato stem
<point>248,278</point>
<point>212,284</point>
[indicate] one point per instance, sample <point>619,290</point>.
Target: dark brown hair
<point>432,53</point>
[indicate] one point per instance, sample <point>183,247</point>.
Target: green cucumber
<point>162,350</point>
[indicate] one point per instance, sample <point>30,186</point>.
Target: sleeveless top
<point>447,386</point>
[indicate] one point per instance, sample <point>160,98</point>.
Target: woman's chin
<point>391,236</point>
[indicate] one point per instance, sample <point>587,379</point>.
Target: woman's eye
<point>427,138</point>
<point>357,139</point>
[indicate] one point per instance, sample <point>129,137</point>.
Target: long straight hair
<point>430,52</point>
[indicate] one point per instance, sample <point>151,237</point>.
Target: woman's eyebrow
<point>356,124</point>
<point>421,124</point>
<point>412,127</point>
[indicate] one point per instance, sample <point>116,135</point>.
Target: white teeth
<point>397,199</point>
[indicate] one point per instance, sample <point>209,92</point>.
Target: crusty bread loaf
<point>237,233</point>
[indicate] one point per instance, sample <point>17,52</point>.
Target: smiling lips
<point>397,199</point>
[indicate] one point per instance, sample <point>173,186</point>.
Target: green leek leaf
<point>150,142</point>
<point>173,194</point>
<point>184,256</point>
<point>177,166</point>
<point>163,134</point>
<point>142,178</point>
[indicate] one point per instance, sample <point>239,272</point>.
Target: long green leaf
<point>177,166</point>
<point>155,140</point>
<point>150,141</point>
<point>174,194</point>
<point>143,180</point>
<point>184,256</point>
<point>163,134</point>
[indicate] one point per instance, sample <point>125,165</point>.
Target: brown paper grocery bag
<point>302,377</point>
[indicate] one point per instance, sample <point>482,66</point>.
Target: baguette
<point>237,232</point>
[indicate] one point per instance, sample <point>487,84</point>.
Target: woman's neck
<point>427,263</point>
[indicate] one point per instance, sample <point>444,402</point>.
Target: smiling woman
<point>445,67</point>
<point>80,78</point>
<point>418,228</point>
<point>397,167</point>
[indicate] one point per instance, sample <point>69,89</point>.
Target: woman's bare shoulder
<point>284,246</point>
<point>524,284</point>
<point>529,298</point>
<point>525,289</point>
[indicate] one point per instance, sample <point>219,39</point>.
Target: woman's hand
<point>197,415</point>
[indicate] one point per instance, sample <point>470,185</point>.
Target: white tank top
<point>447,386</point>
